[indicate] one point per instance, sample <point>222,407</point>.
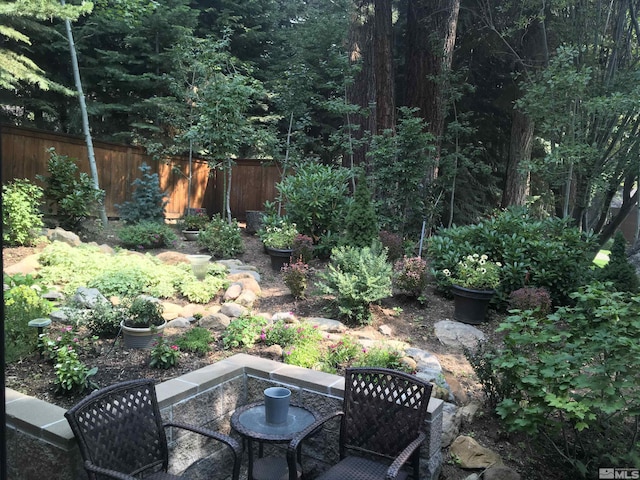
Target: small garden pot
<point>137,337</point>
<point>199,265</point>
<point>470,306</point>
<point>279,257</point>
<point>276,404</point>
<point>190,235</point>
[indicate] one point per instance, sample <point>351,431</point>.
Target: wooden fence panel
<point>23,154</point>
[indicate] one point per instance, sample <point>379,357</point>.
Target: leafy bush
<point>243,331</point>
<point>66,337</point>
<point>357,277</point>
<point>573,377</point>
<point>296,277</point>
<point>197,340</point>
<point>222,239</point>
<point>410,276</point>
<point>287,334</point>
<point>361,223</point>
<point>619,271</point>
<point>316,198</point>
<point>71,374</point>
<point>103,319</point>
<point>381,356</point>
<point>21,305</point>
<point>202,291</point>
<point>305,354</point>
<point>195,221</point>
<point>547,252</point>
<point>147,201</point>
<point>21,217</point>
<point>71,196</point>
<point>146,235</point>
<point>163,355</point>
<point>341,354</point>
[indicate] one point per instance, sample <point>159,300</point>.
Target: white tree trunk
<point>85,117</point>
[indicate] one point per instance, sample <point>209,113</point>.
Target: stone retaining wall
<point>39,438</point>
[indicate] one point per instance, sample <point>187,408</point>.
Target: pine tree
<point>361,222</point>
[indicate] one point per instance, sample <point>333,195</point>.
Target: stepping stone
<point>458,335</point>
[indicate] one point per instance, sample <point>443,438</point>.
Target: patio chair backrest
<point>120,428</point>
<point>384,410</point>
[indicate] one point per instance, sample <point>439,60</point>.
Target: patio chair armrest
<point>404,455</point>
<point>296,443</point>
<point>233,445</point>
<point>89,466</point>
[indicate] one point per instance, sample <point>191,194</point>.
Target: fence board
<point>24,154</point>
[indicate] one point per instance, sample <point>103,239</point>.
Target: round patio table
<point>250,422</point>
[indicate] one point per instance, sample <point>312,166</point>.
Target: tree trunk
<point>383,67</point>
<point>516,185</point>
<point>431,34</point>
<point>362,91</point>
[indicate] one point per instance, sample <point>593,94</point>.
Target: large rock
<point>450,424</point>
<point>500,472</point>
<point>233,292</point>
<point>88,297</point>
<point>458,335</point>
<point>25,266</point>
<point>473,455</point>
<point>233,310</point>
<point>172,258</point>
<point>328,325</point>
<point>217,322</point>
<point>62,235</point>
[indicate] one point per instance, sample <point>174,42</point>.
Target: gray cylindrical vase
<point>276,404</point>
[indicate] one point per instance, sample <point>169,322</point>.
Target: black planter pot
<point>470,306</point>
<point>279,257</point>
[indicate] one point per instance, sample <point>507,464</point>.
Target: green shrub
<point>572,377</point>
<point>203,291</point>
<point>243,331</point>
<point>163,355</point>
<point>302,248</point>
<point>287,334</point>
<point>147,201</point>
<point>103,319</point>
<point>71,374</point>
<point>361,223</point>
<point>341,354</point>
<point>381,356</point>
<point>619,271</point>
<point>357,277</point>
<point>547,252</point>
<point>71,196</point>
<point>316,198</point>
<point>197,340</point>
<point>21,305</point>
<point>146,235</point>
<point>221,239</point>
<point>305,355</point>
<point>21,217</point>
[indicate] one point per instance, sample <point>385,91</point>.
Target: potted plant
<point>473,285</point>
<point>143,322</point>
<point>192,224</point>
<point>278,242</point>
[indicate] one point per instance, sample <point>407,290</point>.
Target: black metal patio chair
<point>121,435</point>
<point>381,426</point>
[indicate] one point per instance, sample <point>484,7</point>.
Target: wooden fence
<point>23,154</point>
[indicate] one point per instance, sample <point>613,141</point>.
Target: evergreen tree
<point>361,222</point>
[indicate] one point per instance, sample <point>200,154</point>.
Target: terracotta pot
<point>470,306</point>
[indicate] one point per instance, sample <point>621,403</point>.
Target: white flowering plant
<point>476,272</point>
